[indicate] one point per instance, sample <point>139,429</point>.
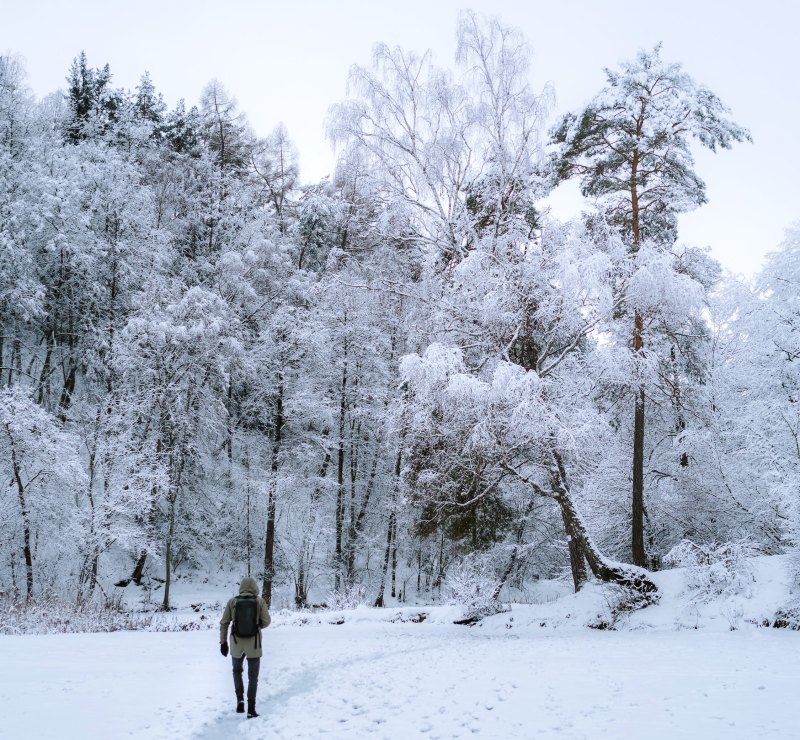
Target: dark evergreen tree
<point>148,105</point>
<point>94,107</point>
<point>182,129</point>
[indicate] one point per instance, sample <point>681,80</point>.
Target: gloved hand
<point>223,648</point>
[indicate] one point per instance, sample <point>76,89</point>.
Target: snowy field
<point>677,671</point>
<point>405,680</point>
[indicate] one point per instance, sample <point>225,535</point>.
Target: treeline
<point>404,373</point>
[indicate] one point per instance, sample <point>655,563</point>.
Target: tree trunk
<point>637,499</point>
<point>269,542</point>
<point>93,533</point>
<point>66,393</point>
<point>338,554</point>
<point>680,422</point>
<point>15,362</point>
<point>637,488</point>
<point>440,572</point>
<point>394,553</point>
<point>229,422</point>
<point>577,563</point>
<point>304,556</point>
<point>176,475</point>
<point>93,577</point>
<point>168,564</point>
<point>269,547</point>
<point>386,555</point>
<point>173,497</point>
<point>43,394</point>
<point>300,585</point>
<point>576,559</point>
<point>390,530</point>
<point>357,521</point>
<point>138,569</point>
<point>632,578</point>
<point>350,547</point>
<point>26,524</point>
<point>602,569</point>
<point>248,504</point>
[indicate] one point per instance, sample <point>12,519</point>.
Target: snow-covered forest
<point>406,381</point>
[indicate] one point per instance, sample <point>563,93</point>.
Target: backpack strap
<point>258,621</point>
<point>235,601</point>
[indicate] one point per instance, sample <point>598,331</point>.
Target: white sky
<point>288,61</point>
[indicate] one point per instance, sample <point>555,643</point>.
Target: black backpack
<point>245,616</point>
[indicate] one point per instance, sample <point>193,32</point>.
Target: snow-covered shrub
<point>348,597</point>
<point>54,616</point>
<point>715,570</point>
<point>474,586</point>
<point>787,617</point>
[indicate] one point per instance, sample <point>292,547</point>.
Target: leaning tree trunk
<point>577,562</point>
<point>623,575</point>
<point>631,577</point>
<point>138,568</point>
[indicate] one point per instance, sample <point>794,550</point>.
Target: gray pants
<point>253,665</point>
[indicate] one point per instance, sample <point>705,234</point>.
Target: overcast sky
<point>288,61</point>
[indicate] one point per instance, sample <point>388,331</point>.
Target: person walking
<point>248,614</point>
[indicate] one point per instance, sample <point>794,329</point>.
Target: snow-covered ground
<point>380,675</point>
<point>384,680</point>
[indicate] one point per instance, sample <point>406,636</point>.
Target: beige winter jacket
<point>249,646</point>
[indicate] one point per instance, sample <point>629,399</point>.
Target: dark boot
<point>240,706</point>
<point>251,711</point>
